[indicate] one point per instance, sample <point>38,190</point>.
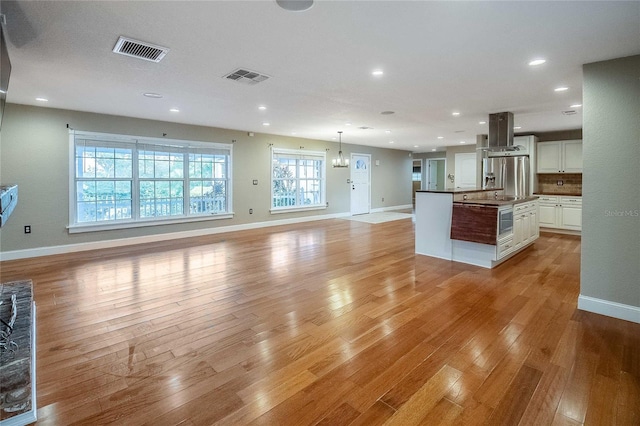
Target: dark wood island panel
<point>475,223</point>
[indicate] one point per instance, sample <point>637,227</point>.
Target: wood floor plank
<point>306,324</point>
<point>425,399</point>
<point>517,397</point>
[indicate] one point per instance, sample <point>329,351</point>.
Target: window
<point>297,180</point>
<point>122,180</point>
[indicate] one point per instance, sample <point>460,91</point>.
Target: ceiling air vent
<point>569,112</point>
<point>140,49</point>
<point>246,76</point>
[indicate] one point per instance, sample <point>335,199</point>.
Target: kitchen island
<point>475,226</point>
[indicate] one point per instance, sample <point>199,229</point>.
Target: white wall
<point>610,265</point>
<point>34,143</point>
<point>451,160</point>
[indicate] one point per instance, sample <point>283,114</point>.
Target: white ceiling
<point>437,57</point>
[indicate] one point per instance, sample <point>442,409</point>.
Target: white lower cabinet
<point>560,212</point>
<point>525,224</point>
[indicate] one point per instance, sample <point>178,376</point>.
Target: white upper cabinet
<point>559,157</point>
<point>572,156</point>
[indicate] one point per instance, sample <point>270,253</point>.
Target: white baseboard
<point>121,242</point>
<point>561,231</point>
<point>610,309</point>
<point>390,208</point>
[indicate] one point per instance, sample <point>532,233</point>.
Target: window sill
<point>94,227</point>
<point>296,209</point>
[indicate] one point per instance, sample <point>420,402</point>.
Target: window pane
<point>86,191</point>
<point>85,162</point>
<point>123,168</point>
<point>162,167</point>
<point>146,168</point>
<point>220,171</point>
<point>208,197</point>
<point>176,168</point>
<point>123,190</point>
<point>86,212</point>
<point>105,168</point>
<point>123,209</point>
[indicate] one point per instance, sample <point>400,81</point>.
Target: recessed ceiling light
<point>462,142</point>
<point>440,137</point>
<point>433,149</point>
<point>295,5</point>
<point>517,128</point>
<point>266,124</point>
<point>174,110</point>
<point>347,124</point>
<point>262,107</point>
<point>561,89</point>
<point>482,122</point>
<point>455,114</point>
<point>575,106</point>
<point>391,142</point>
<point>42,99</point>
<point>293,133</point>
<point>387,131</point>
<point>537,62</point>
<point>415,146</point>
<point>377,73</point>
<point>152,95</point>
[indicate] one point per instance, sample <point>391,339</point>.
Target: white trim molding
<point>610,309</point>
<point>121,242</point>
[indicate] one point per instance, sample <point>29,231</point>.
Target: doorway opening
<point>416,179</point>
<point>435,175</point>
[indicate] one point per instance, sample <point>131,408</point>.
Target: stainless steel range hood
<point>501,130</point>
<point>500,140</point>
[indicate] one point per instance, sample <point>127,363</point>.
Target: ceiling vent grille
<point>569,112</point>
<point>140,49</point>
<point>246,76</point>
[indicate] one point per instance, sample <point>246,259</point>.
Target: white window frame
<point>301,154</point>
<point>138,143</point>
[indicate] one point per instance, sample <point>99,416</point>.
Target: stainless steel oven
<point>505,221</point>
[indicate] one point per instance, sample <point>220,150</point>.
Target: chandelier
<point>340,160</point>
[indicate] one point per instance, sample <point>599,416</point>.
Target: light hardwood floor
<point>332,322</point>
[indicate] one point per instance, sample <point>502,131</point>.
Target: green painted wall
<point>34,151</point>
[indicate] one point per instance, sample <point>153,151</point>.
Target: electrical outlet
<point>560,183</point>
<point>255,181</point>
<point>250,211</point>
<point>27,229</point>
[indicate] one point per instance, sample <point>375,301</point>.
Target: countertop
<point>499,201</point>
<point>566,194</point>
<point>458,190</point>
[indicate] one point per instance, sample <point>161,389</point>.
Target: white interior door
<point>360,184</point>
<point>465,170</point>
<point>432,174</point>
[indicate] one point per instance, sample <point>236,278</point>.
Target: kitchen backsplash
<point>571,183</point>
